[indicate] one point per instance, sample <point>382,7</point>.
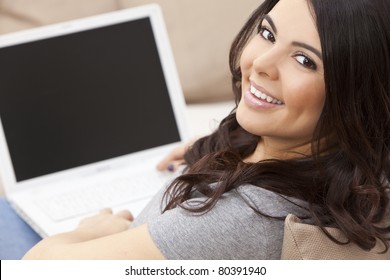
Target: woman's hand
<point>106,223</point>
<point>176,157</point>
<point>104,236</point>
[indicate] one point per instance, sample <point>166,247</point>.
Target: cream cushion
<point>307,242</point>
<point>21,14</point>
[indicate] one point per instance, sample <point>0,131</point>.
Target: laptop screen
<point>84,97</point>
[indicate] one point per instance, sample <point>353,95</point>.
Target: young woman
<point>310,136</point>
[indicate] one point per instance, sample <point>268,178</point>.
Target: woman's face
<point>283,90</point>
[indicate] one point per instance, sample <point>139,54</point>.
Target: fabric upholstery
<point>307,242</point>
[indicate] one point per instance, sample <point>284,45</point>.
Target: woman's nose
<point>267,63</point>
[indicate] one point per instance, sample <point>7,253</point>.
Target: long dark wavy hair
<point>346,185</point>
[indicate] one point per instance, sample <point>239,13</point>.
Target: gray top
<point>230,230</point>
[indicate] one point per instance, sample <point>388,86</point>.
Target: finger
<point>106,211</point>
<point>163,165</point>
<point>125,214</point>
<point>175,154</point>
<point>174,165</point>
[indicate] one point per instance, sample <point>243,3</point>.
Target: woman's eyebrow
<point>298,44</point>
<point>271,22</point>
<point>308,47</point>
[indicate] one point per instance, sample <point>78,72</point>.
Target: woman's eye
<point>305,61</point>
<point>266,34</point>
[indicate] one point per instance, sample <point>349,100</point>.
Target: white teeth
<point>264,97</point>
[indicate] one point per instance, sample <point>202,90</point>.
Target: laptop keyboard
<point>94,197</point>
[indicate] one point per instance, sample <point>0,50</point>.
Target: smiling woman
<point>310,136</point>
<point>312,120</point>
<point>277,65</point>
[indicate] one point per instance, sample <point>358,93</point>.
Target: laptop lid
<point>87,94</point>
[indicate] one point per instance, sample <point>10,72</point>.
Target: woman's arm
<point>104,236</point>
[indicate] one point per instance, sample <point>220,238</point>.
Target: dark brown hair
<point>347,185</point>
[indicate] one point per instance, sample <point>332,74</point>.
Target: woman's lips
<point>262,94</point>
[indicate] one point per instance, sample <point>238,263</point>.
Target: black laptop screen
<point>84,97</point>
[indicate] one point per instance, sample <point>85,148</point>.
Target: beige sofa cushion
<point>21,14</point>
<point>308,242</point>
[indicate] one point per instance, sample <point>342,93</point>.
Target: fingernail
<point>171,167</point>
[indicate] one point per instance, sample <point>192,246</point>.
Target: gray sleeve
<point>230,230</point>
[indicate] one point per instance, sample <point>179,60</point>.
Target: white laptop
<point>87,110</point>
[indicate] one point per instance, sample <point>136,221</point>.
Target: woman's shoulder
<point>233,228</point>
<point>271,203</point>
<point>230,229</point>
